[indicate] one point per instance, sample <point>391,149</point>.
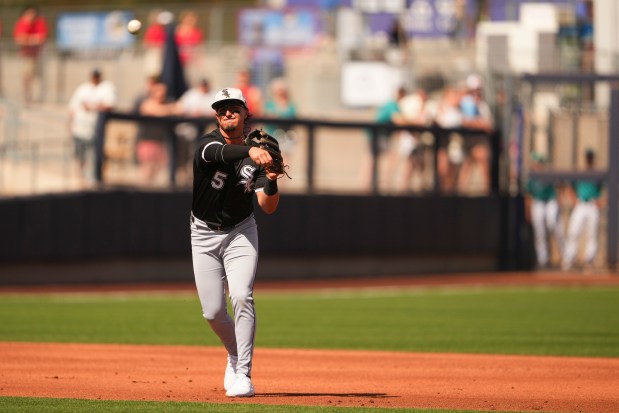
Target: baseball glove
<point>262,140</point>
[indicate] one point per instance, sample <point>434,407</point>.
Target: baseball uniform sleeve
<point>213,151</point>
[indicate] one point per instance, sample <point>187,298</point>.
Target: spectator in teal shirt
<point>384,115</point>
<point>585,218</point>
<point>280,106</point>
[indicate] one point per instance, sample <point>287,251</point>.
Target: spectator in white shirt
<point>197,100</point>
<point>90,98</point>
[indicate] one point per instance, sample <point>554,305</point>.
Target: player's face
<point>230,117</point>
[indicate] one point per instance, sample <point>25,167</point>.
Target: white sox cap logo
<point>228,95</point>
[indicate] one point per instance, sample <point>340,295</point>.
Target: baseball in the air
<point>134,26</point>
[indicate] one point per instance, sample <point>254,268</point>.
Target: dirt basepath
<point>319,377</point>
<point>313,377</point>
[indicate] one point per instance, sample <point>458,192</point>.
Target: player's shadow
<point>369,395</point>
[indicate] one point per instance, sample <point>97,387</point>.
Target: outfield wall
<point>129,235</point>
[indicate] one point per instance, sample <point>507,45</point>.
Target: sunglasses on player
<point>223,110</point>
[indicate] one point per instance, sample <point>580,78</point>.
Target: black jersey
<point>223,192</point>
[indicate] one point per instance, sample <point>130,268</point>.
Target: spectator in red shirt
<point>252,93</point>
<point>155,33</point>
<point>154,41</point>
<point>30,33</point>
<point>188,36</point>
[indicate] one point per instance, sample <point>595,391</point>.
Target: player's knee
<point>213,313</point>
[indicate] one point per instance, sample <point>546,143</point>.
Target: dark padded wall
<point>94,225</point>
<point>379,225</point>
<point>125,223</point>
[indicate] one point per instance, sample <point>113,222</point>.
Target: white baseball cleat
<point>242,387</point>
<point>230,375</point>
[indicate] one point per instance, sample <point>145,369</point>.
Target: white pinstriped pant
<point>228,260</point>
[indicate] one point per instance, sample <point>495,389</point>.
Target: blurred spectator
<point>87,101</point>
<point>280,106</point>
<point>384,115</point>
<point>450,152</point>
<point>154,137</point>
<point>195,102</point>
<point>397,34</point>
<point>476,114</point>
<point>150,82</point>
<point>154,40</point>
<point>417,110</point>
<point>142,125</point>
<point>398,52</point>
<point>252,93</point>
<point>30,33</point>
<point>188,37</point>
<point>585,217</point>
<point>542,210</point>
<point>458,34</point>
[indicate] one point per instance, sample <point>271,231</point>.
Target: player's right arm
<point>215,151</point>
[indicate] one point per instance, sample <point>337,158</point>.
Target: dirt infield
<point>321,377</point>
<point>313,377</point>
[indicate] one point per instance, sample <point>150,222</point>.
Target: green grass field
<point>568,321</point>
<point>28,405</point>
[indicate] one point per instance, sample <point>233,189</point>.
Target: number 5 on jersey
<point>218,180</point>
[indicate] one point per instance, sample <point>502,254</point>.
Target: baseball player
<point>543,209</point>
<point>584,217</point>
<point>224,235</point>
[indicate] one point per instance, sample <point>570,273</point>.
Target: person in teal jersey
<point>585,217</point>
<point>543,213</point>
<point>280,106</point>
<point>384,115</point>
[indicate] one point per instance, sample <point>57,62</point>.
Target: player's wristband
<point>270,188</point>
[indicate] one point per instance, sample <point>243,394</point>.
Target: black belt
<point>220,227</point>
<point>215,227</point>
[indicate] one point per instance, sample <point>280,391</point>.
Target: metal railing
<point>311,126</point>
